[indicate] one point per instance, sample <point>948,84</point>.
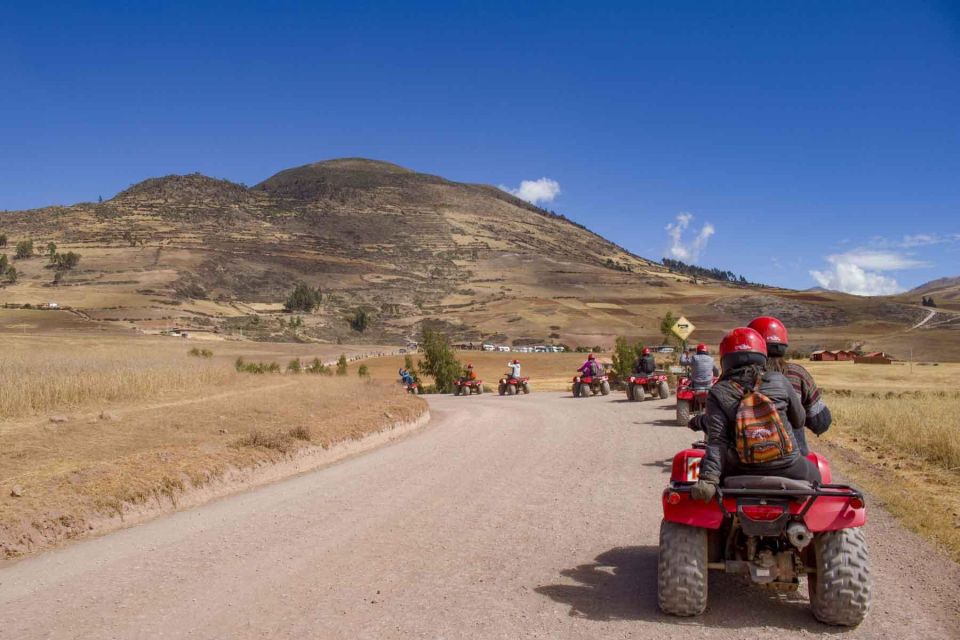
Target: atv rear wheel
<point>840,589</point>
<point>682,569</point>
<point>683,412</point>
<point>605,388</point>
<point>664,389</point>
<point>639,393</point>
<point>585,390</point>
<point>511,389</point>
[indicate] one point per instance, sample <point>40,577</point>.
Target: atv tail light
<point>856,503</point>
<point>673,498</point>
<point>762,512</point>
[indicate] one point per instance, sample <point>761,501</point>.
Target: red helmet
<point>470,365</point>
<point>742,346</point>
<point>515,361</point>
<point>591,357</point>
<point>771,329</point>
<point>702,348</point>
<point>741,340</point>
<point>646,351</point>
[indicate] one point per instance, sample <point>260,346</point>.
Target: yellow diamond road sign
<point>682,328</point>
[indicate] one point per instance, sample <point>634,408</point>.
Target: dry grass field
<point>898,434</point>
<point>94,427</point>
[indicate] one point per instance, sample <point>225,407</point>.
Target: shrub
<point>294,366</point>
<point>363,371</point>
<point>24,249</point>
<point>3,239</point>
<point>360,321</point>
<point>200,353</point>
<point>439,360</point>
<point>342,365</point>
<point>317,367</point>
<point>303,298</point>
<point>11,274</point>
<point>4,262</point>
<point>51,250</point>
<point>624,355</point>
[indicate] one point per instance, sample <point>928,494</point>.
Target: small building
<point>877,357</point>
<point>836,355</point>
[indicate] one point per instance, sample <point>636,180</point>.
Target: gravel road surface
<point>518,517</point>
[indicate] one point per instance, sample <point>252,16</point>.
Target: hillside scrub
<point>24,249</point>
<point>303,298</point>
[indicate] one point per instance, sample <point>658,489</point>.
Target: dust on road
<point>518,517</point>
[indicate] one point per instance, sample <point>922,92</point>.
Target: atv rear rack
<point>817,491</point>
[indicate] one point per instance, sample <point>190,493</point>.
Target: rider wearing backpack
<point>591,367</point>
<point>749,419</point>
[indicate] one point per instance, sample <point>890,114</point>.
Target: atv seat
<point>773,483</point>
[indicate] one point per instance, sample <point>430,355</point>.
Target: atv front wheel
<point>526,388</point>
<point>502,389</point>
<point>840,588</point>
<point>664,390</point>
<point>683,412</point>
<point>479,389</point>
<point>605,388</point>
<point>682,569</point>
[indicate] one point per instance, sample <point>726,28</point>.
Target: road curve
<point>517,517</point>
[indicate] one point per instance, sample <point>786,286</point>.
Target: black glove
<point>694,424</point>
<point>704,490</point>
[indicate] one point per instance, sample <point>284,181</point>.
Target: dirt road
<point>525,517</point>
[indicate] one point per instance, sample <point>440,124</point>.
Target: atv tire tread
<point>639,393</point>
<point>840,590</point>
<point>663,389</point>
<point>682,569</point>
<point>605,388</point>
<point>683,412</point>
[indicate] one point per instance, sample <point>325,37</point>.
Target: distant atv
<point>590,385</point>
<point>655,385</point>
<point>690,401</point>
<point>413,388</point>
<point>464,387</point>
<point>512,386</point>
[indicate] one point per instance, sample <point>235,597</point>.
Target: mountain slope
<point>413,249</point>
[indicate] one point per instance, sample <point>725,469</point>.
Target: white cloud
<point>860,272</point>
<point>535,191</point>
<point>688,252</point>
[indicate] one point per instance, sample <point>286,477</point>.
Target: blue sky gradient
<point>813,137</point>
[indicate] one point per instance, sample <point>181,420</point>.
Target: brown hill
<point>411,248</point>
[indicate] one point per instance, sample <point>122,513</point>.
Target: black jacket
<point>719,419</point>
<point>645,364</point>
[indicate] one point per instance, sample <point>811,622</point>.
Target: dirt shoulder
<point>92,471</point>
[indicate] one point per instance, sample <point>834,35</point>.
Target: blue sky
<point>819,142</point>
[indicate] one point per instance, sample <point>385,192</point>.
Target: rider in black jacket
<point>743,354</point>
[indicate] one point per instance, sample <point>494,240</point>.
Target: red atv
<point>690,401</point>
<point>640,385</point>
<point>586,386</point>
<point>512,386</point>
<point>464,387</point>
<point>413,387</point>
<point>770,529</point>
